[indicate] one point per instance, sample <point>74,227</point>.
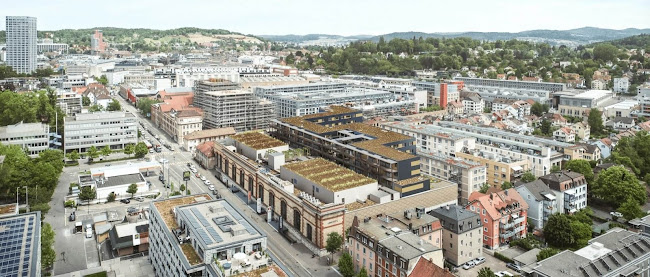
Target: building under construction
<point>225,105</point>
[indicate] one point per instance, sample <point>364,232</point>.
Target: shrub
<point>110,197</point>
<point>69,204</point>
<point>501,257</point>
<point>175,193</point>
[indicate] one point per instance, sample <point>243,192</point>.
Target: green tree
<point>144,105</point>
<point>106,151</point>
<point>110,197</point>
<point>346,267</point>
<point>102,80</point>
<point>114,105</point>
<point>506,185</point>
<point>605,52</point>
<point>615,185</point>
<point>583,167</point>
<point>584,215</point>
<point>182,187</point>
<point>93,152</point>
<point>555,168</point>
<point>129,149</point>
<point>87,193</point>
<point>630,209</point>
<point>85,101</point>
<point>141,150</point>
<point>73,156</point>
<point>538,109</point>
<point>546,127</point>
<point>581,233</point>
<point>595,121</point>
<point>95,108</point>
<point>528,177</point>
<point>48,255</point>
<point>363,272</point>
<point>484,188</point>
<point>558,232</point>
<point>546,253</point>
<point>486,272</point>
<point>133,189</point>
<point>333,243</point>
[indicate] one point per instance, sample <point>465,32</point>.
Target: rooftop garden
<point>190,254</point>
<point>328,174</point>
<point>257,140</point>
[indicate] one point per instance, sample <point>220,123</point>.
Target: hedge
<point>503,258</point>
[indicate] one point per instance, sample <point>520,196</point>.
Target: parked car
<point>211,187</point>
<point>193,170</point>
<point>207,182</point>
<point>197,175</point>
<point>616,214</point>
<point>513,267</point>
<point>132,210</point>
<point>89,231</point>
<point>469,265</point>
<point>150,150</point>
<point>73,216</point>
<point>503,274</point>
<point>139,198</point>
<point>203,178</point>
<point>125,201</point>
<point>479,260</point>
<point>189,165</point>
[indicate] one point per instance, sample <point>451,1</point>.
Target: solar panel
<point>214,234</point>
<point>14,253</point>
<point>193,222</point>
<point>204,236</point>
<point>200,217</point>
<point>248,227</point>
<point>239,219</point>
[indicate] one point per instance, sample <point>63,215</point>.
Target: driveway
<point>491,262</point>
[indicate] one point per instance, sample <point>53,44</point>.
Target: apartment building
<point>139,79</point>
<point>21,240</point>
<point>32,137</point>
<point>338,135</point>
<point>644,100</point>
<point>553,87</point>
<point>503,215</point>
<point>491,89</point>
<point>179,123</point>
<point>462,232</point>
<point>570,189</point>
<point>263,80</point>
<point>21,43</point>
<point>228,107</point>
<point>424,225</point>
<point>621,85</point>
<point>469,176</point>
<point>191,140</point>
<point>565,134</point>
<point>473,104</point>
<point>97,44</point>
<point>582,130</point>
<point>542,201</point>
<point>387,251</point>
<point>112,129</point>
<point>189,235</point>
<point>263,91</point>
<point>48,45</point>
<point>439,93</point>
<point>430,139</point>
<point>599,84</point>
<point>616,253</point>
<point>499,168</point>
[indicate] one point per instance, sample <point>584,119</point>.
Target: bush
<point>503,258</point>
<point>69,204</point>
<point>110,197</point>
<point>175,193</point>
<point>188,192</point>
<point>527,243</point>
<point>614,224</point>
<point>42,207</point>
<point>98,274</point>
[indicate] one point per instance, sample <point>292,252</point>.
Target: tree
<point>616,185</point>
<point>182,187</point>
<point>595,121</point>
<point>114,106</point>
<point>110,197</point>
<point>144,105</point>
<point>87,193</point>
<point>363,272</point>
<point>486,272</point>
<point>102,80</point>
<point>605,52</point>
<point>346,267</point>
<point>85,101</point>
<point>546,127</point>
<point>133,189</point>
<point>546,253</point>
<point>506,185</point>
<point>106,151</point>
<point>555,168</point>
<point>93,152</point>
<point>583,167</point>
<point>557,231</point>
<point>141,150</point>
<point>484,188</point>
<point>584,215</point>
<point>630,209</point>
<point>48,255</point>
<point>538,109</point>
<point>95,108</point>
<point>73,156</point>
<point>129,149</point>
<point>581,233</point>
<point>333,243</point>
<point>528,177</point>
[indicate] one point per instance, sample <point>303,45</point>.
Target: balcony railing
<point>515,231</point>
<point>513,223</point>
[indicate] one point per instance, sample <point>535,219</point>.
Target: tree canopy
<point>528,177</point>
<point>595,121</point>
<point>565,231</point>
<point>141,150</point>
<point>615,185</point>
<point>114,105</point>
<point>346,266</point>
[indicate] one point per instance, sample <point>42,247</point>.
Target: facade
<point>512,84</point>
<point>239,109</point>
<point>491,89</point>
<point>47,45</point>
<point>117,179</point>
<point>469,176</point>
<point>339,136</point>
<point>188,235</point>
<point>499,168</point>
<point>621,85</point>
<point>616,253</point>
<point>579,104</point>
<point>565,134</point>
<point>424,225</point>
<point>97,44</point>
<point>439,93</point>
<point>570,189</point>
<point>204,154</point>
<point>462,236</point>
<point>263,80</point>
<point>503,214</point>
<point>21,43</point>
<point>473,104</point>
<point>389,252</point>
<point>599,84</point>
<point>139,79</point>
<point>644,100</point>
<point>113,129</point>
<point>20,236</point>
<point>33,137</point>
<point>130,238</point>
<point>542,202</point>
<point>178,123</point>
<point>300,89</point>
<point>191,140</point>
<point>582,130</point>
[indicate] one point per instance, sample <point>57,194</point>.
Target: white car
<point>193,170</point>
<point>203,178</point>
<point>469,265</point>
<point>503,274</point>
<point>207,182</point>
<point>479,260</point>
<point>89,231</point>
<point>211,187</point>
<point>616,214</point>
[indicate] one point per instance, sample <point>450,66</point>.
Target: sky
<point>351,17</point>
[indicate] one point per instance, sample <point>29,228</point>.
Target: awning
<point>517,168</point>
<point>549,196</point>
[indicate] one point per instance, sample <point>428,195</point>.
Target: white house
<point>621,85</point>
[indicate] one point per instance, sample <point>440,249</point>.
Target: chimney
<point>506,192</point>
<point>447,207</point>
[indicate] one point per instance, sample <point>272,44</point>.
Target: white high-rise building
<point>21,43</point>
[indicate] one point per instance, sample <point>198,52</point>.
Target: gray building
<point>113,129</point>
<point>228,106</point>
<point>616,253</point>
<point>462,238</point>
<point>21,43</point>
<point>300,89</point>
<point>542,201</point>
<point>196,236</point>
<point>507,84</point>
<point>33,137</point>
<point>20,237</point>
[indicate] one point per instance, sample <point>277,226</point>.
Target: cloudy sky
<point>351,17</point>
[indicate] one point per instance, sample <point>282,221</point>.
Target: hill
<point>634,42</point>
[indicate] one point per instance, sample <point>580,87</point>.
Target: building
<point>32,137</point>
<point>599,84</point>
<point>130,238</point>
<point>439,93</point>
<point>191,235</point>
<point>300,89</point>
<point>387,251</point>
<point>499,168</point>
<point>191,140</point>
<point>263,80</point>
<point>621,85</point>
<point>579,104</point>
<point>462,238</point>
<point>503,214</point>
<point>491,89</point>
<point>139,79</point>
<point>582,130</point>
<point>177,121</point>
<point>21,43</point>
<point>228,107</point>
<point>553,87</point>
<point>542,202</point>
<point>469,176</point>
<point>621,123</point>
<point>205,155</point>
<point>625,108</point>
<point>424,267</point>
<point>112,129</point>
<point>339,136</point>
<point>570,190</point>
<point>97,44</point>
<point>48,45</point>
<point>116,179</point>
<point>616,253</point>
<point>473,104</point>
<point>20,236</point>
<point>427,227</point>
<point>564,134</point>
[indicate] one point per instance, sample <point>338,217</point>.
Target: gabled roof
<point>556,178</point>
<point>210,133</point>
<point>537,188</point>
<point>496,202</point>
<point>206,148</point>
<point>426,268</point>
<point>624,120</point>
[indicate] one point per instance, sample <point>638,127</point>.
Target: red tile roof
<point>206,148</point>
<point>426,268</point>
<point>493,202</point>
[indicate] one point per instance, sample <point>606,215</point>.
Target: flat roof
<point>121,180</point>
<point>227,131</point>
<point>624,105</point>
<point>328,174</point>
<point>20,237</point>
<point>592,94</point>
<point>257,140</point>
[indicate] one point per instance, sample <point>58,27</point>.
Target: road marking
<point>339,273</point>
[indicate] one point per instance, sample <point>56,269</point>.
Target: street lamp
<point>26,198</point>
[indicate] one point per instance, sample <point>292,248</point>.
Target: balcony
<point>512,223</point>
<point>516,231</point>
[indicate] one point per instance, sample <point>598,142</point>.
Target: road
<point>297,261</point>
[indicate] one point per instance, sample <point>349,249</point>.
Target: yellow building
<point>499,168</point>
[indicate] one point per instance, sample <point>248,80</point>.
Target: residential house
<point>129,238</point>
<point>424,267</point>
<point>461,235</point>
<point>503,214</point>
<point>582,151</point>
<point>473,104</point>
<point>427,227</point>
<point>455,108</point>
<point>570,188</point>
<point>204,155</point>
<point>541,201</point>
<point>556,119</point>
<point>622,123</point>
<point>581,130</point>
<point>191,140</point>
<point>599,84</point>
<point>564,134</point>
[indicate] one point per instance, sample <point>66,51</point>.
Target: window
<point>485,220</point>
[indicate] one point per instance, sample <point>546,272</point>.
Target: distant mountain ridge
<point>573,37</point>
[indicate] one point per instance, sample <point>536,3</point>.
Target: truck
<point>148,144</point>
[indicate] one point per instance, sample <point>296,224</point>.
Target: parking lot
<point>491,262</point>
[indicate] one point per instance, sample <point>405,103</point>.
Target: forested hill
<point>634,42</point>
